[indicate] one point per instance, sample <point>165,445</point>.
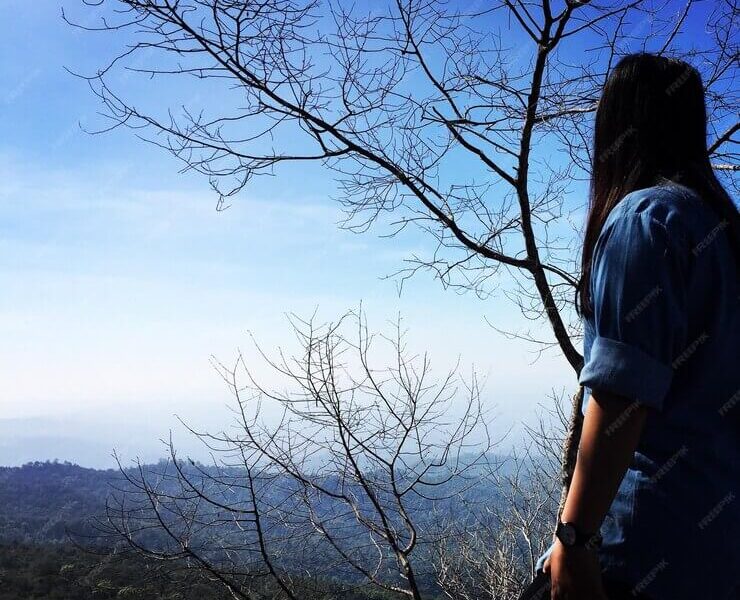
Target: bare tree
<point>467,120</point>
<point>376,477</point>
<point>490,551</point>
<point>344,481</point>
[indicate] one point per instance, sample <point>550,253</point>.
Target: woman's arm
<point>611,432</point>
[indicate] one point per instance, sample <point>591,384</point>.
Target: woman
<point>658,465</point>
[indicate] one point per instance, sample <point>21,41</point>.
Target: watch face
<point>567,534</point>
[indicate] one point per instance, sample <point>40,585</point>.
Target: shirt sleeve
<point>638,297</point>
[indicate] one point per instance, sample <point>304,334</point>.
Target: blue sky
<point>120,279</point>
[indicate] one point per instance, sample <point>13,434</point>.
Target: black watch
<point>572,537</point>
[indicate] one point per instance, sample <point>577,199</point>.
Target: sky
<point>120,279</point>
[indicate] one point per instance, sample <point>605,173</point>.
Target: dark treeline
<point>58,571</point>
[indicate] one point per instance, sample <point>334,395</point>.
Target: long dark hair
<point>651,128</point>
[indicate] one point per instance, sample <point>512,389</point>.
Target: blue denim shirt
<point>666,333</point>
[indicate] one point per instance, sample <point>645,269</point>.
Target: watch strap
<point>571,536</point>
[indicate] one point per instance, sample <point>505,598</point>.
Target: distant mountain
<point>86,440</point>
<point>41,501</point>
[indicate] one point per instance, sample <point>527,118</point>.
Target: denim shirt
<point>665,333</point>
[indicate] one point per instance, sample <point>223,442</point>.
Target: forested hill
<point>40,501</point>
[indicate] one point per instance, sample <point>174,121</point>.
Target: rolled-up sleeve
<point>638,298</point>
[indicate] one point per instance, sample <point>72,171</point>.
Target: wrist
<point>570,535</point>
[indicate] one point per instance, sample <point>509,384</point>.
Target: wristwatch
<point>572,537</point>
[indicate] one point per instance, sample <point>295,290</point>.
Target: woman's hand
<point>575,574</point>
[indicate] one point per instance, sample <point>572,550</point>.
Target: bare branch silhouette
<point>339,474</point>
